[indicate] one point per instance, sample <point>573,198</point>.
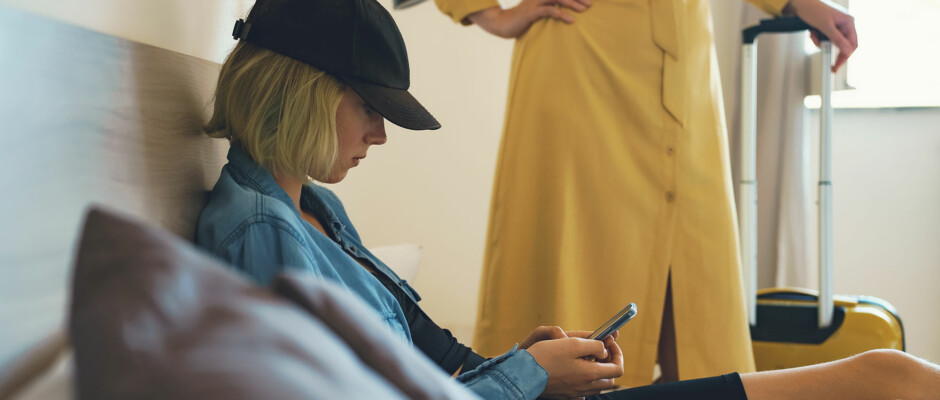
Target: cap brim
<point>396,105</point>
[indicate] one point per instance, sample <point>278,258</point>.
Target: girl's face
<point>358,126</point>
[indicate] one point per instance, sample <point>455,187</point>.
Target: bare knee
<point>885,357</point>
<point>885,363</point>
<point>907,376</point>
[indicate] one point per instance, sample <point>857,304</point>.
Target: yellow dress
<point>613,172</point>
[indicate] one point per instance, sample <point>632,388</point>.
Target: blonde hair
<point>280,110</point>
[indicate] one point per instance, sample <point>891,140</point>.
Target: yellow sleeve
<point>772,7</point>
<point>458,10</point>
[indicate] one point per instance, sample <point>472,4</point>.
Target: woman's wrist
<point>792,7</point>
<point>486,13</point>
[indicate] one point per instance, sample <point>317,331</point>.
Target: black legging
<point>724,387</point>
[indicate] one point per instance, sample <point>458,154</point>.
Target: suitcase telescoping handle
<point>748,183</point>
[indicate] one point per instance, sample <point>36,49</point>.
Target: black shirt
<point>435,342</point>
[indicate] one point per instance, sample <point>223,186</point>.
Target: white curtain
<point>785,257</point>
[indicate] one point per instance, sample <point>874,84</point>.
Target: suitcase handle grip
<point>747,193</point>
<point>778,25</point>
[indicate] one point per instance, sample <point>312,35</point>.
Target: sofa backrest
<point>87,117</point>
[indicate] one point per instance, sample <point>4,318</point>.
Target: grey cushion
<point>152,317</point>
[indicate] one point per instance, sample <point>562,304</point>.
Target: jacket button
<point>670,196</point>
<point>670,150</point>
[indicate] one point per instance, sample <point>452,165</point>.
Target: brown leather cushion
<point>153,317</point>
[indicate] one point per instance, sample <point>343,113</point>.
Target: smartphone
<point>614,322</point>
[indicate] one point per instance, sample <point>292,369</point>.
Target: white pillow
<point>402,258</point>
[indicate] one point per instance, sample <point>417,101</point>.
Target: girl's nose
<point>377,135</point>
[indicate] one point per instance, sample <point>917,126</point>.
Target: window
<point>897,63</point>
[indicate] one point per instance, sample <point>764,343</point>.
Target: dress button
<point>670,150</point>
<point>670,196</point>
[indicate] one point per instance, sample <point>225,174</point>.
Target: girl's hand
<point>569,374</point>
<point>543,333</point>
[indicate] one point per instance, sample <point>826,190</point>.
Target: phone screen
<point>615,322</point>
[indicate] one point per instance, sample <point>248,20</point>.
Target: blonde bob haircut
<point>281,111</point>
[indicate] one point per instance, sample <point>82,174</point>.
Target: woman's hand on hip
<point>569,373</point>
<point>513,22</point>
<point>830,19</point>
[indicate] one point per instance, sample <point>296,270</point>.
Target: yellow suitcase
<point>787,332</point>
<point>796,327</point>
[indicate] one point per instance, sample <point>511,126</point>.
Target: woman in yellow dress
<point>613,182</point>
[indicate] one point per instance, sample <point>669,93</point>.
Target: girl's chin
<point>335,177</point>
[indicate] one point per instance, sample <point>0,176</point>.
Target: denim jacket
<point>252,224</point>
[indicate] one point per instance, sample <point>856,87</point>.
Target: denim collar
<point>258,178</point>
<point>310,201</point>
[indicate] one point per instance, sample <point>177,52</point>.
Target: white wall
<point>433,188</point>
<point>886,213</point>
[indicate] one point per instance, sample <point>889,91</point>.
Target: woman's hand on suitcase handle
<point>513,22</point>
<point>830,19</point>
<point>569,374</point>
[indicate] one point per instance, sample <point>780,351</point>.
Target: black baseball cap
<point>355,40</point>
